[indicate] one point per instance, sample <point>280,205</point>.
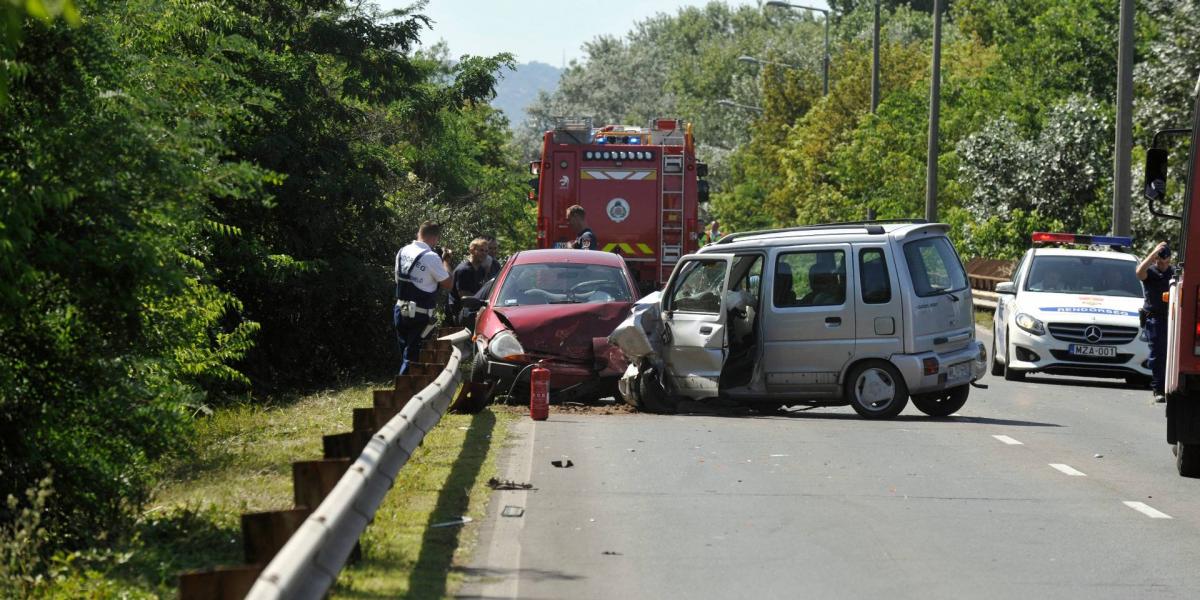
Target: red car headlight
<point>504,345</point>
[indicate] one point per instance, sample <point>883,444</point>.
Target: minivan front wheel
<point>943,403</point>
<point>876,390</point>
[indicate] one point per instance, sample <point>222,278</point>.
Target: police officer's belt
<point>415,309</point>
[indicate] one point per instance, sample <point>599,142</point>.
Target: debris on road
<point>512,511</point>
<point>611,553</point>
<point>565,463</point>
<point>505,484</point>
<point>1098,456</point>
<point>459,521</point>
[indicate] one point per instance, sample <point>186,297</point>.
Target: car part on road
<point>456,522</point>
<point>876,390</point>
<point>512,511</point>
<point>942,404</point>
<point>563,464</point>
<point>505,484</point>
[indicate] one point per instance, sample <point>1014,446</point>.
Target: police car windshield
<point>1083,275</point>
<point>568,283</point>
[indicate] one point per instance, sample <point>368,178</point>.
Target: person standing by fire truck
<point>577,219</point>
<point>420,271</point>
<point>1156,272</point>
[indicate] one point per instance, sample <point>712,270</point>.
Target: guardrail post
<point>218,583</point>
<point>313,479</point>
<point>264,533</point>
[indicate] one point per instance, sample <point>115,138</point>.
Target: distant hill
<point>519,88</point>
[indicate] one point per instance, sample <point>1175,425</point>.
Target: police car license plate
<point>958,372</point>
<point>1100,351</point>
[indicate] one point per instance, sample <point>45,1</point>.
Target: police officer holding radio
<point>1155,272</point>
<point>420,271</point>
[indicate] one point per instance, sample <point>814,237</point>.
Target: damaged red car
<point>553,308</point>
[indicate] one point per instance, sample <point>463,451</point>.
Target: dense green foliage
<point>200,196</point>
<point>1028,90</point>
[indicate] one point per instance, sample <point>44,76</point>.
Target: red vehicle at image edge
<point>1182,374</point>
<point>641,188</point>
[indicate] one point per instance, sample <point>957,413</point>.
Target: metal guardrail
<point>984,274</point>
<point>308,565</point>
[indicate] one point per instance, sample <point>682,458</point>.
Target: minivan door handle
<point>705,330</point>
<point>833,321</point>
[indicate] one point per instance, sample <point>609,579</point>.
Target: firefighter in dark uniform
<point>1156,272</point>
<point>577,219</point>
<point>420,271</point>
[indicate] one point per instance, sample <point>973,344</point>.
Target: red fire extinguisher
<point>539,393</point>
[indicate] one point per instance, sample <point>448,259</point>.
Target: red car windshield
<point>563,283</point>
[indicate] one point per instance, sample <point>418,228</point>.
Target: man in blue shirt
<point>577,219</point>
<point>1156,272</point>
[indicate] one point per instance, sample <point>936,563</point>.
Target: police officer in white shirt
<point>419,273</point>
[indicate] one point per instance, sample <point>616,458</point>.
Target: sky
<point>541,30</point>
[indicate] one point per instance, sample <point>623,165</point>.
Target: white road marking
<point>1008,440</point>
<point>1068,469</point>
<point>1145,509</point>
<point>504,551</point>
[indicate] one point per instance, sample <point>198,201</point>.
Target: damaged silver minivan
<point>867,314</point>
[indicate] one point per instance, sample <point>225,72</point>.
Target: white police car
<point>1072,312</point>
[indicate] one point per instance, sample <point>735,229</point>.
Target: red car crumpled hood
<point>564,330</point>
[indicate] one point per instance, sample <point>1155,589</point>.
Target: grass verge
<point>241,462</point>
<point>983,318</point>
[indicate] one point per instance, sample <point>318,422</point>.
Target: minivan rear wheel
<point>944,403</point>
<point>876,390</point>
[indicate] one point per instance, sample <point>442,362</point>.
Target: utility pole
<point>935,91</point>
<point>1122,187</point>
<point>875,62</point>
<point>874,82</point>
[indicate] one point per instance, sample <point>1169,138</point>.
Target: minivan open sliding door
<point>694,321</point>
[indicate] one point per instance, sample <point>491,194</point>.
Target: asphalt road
<point>1026,492</point>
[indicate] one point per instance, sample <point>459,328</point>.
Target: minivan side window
<point>873,276</point>
<point>699,287</point>
<point>934,266</point>
<point>816,278</point>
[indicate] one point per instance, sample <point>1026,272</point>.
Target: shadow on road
<point>697,409</point>
<point>1112,384</point>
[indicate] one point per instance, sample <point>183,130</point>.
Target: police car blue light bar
<point>1041,237</point>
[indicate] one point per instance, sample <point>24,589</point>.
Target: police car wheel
<point>997,366</point>
<point>1011,374</point>
<point>1187,459</point>
<point>876,390</point>
<point>942,404</point>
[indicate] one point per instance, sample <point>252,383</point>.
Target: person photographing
<point>1155,272</point>
<point>420,271</point>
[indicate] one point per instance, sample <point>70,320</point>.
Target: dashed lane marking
<point>1145,509</point>
<point>1008,440</point>
<point>1068,469</point>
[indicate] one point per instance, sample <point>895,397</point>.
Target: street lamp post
<point>825,57</point>
<point>731,104</point>
<point>759,61</point>
<point>935,97</point>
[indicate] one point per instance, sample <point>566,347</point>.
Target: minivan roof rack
<point>872,227</point>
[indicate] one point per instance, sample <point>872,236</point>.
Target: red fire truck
<point>640,187</point>
<point>1182,383</point>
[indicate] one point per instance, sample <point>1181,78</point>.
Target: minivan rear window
<point>934,266</point>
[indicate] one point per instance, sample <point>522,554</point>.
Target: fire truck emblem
<point>564,182</point>
<point>618,210</point>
